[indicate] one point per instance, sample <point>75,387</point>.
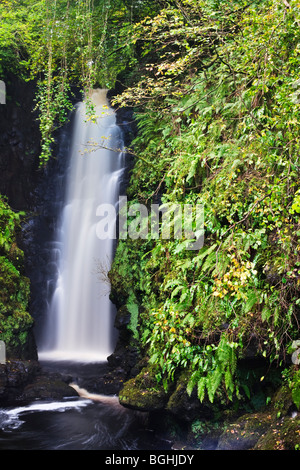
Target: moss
<point>14,332</point>
<point>284,430</point>
<point>282,401</point>
<point>277,427</point>
<point>143,392</point>
<point>245,432</point>
<point>14,288</point>
<point>15,321</point>
<point>283,434</point>
<point>179,396</point>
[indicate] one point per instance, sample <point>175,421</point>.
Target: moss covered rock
<point>245,432</point>
<point>283,434</point>
<point>143,392</point>
<point>15,322</point>
<point>277,427</point>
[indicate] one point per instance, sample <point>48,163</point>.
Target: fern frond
<point>192,382</point>
<point>201,385</point>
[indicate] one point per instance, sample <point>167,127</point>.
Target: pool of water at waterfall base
<point>78,423</point>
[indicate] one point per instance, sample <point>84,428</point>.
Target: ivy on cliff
<point>15,321</point>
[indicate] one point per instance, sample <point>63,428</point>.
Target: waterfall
<point>80,316</point>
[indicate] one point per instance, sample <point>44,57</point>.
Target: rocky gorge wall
<point>19,144</point>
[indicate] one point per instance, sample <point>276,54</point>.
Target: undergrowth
<point>218,118</point>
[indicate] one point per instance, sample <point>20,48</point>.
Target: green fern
<point>192,382</point>
<point>251,302</point>
<point>213,382</point>
<point>201,386</point>
<point>219,367</point>
<point>133,309</point>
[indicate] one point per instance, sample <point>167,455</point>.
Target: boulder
<point>143,393</point>
<point>24,380</point>
<point>48,387</point>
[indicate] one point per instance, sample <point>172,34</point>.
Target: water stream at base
<point>91,421</point>
<point>75,424</point>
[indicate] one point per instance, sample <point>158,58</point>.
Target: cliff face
<point>19,144</point>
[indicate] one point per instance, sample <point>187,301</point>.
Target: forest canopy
<point>61,44</point>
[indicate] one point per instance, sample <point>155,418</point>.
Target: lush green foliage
<point>215,86</point>
<point>62,44</point>
<point>15,320</point>
<point>217,105</point>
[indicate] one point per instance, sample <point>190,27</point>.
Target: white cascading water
<point>81,315</point>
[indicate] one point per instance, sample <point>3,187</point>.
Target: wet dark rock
<point>48,387</point>
<point>20,143</point>
<point>122,319</point>
<point>14,376</point>
<point>187,407</point>
<point>124,358</point>
<point>3,381</point>
<point>126,354</point>
<point>20,372</point>
<point>110,383</point>
<point>25,380</point>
